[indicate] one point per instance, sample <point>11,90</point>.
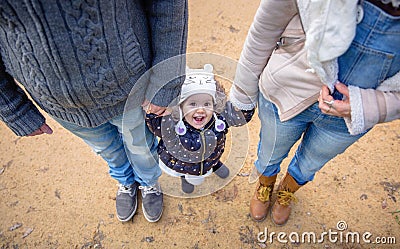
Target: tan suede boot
<point>260,202</point>
<point>282,206</point>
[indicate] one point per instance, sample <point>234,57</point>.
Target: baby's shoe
<point>222,172</point>
<point>186,186</point>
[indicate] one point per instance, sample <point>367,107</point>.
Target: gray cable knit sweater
<point>79,60</point>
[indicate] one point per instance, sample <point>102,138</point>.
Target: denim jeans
<point>324,137</point>
<point>374,54</point>
<point>127,146</point>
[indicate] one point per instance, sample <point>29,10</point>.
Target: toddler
<point>192,137</point>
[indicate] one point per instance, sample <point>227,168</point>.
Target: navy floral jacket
<point>197,151</point>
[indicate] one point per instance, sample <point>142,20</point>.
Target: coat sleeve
<point>168,21</point>
<point>370,107</point>
<point>154,123</point>
<point>16,110</point>
<point>236,117</point>
<point>269,22</point>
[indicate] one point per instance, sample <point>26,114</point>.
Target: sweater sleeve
<point>370,107</point>
<point>168,26</point>
<point>270,21</point>
<point>16,110</point>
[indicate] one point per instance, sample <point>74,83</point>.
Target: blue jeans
<point>131,155</point>
<point>374,54</point>
<point>324,137</point>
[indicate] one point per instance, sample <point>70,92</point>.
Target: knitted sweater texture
<point>79,60</point>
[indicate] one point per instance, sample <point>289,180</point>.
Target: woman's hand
<point>339,108</point>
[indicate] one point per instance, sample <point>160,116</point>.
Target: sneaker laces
<point>285,197</point>
<point>154,189</point>
<point>124,189</point>
<point>264,193</point>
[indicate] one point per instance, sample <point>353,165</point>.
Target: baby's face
<point>198,109</point>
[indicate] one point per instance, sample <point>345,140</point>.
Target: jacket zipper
<point>203,140</point>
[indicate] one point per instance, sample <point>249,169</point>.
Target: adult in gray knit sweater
<point>79,60</point>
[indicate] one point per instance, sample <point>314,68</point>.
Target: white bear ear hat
<point>198,81</point>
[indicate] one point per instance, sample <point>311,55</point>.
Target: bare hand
<point>339,108</point>
<point>155,109</point>
<point>44,129</point>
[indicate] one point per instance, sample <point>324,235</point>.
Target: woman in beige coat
<point>289,66</point>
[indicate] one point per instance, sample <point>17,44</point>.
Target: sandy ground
<point>56,193</point>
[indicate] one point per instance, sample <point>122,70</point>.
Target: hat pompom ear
<point>180,127</point>
<point>219,124</point>
<point>208,68</point>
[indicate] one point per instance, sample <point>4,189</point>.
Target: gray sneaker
<point>152,202</point>
<point>126,201</point>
